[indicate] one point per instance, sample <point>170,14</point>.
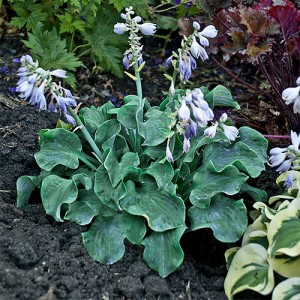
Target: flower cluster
<point>292,95</point>
<point>35,85</point>
<point>191,50</point>
<point>286,158</point>
<point>134,53</point>
<point>231,132</point>
<point>195,112</point>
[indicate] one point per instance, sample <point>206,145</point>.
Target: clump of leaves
<point>270,248</point>
<point>267,36</point>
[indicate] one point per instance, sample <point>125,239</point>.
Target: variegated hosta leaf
<point>284,240</point>
<point>288,289</point>
<point>249,270</point>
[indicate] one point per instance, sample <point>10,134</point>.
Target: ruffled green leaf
<point>94,117</point>
<point>106,133</point>
<point>127,114</point>
<point>118,170</point>
<point>56,191</point>
<point>162,208</point>
<point>85,208</point>
<point>25,186</point>
<point>208,183</point>
<point>163,252</point>
<point>156,128</point>
<point>103,188</point>
<point>238,154</point>
<point>221,96</point>
<point>162,172</point>
<point>58,147</point>
<point>226,217</point>
<point>255,141</point>
<point>105,238</point>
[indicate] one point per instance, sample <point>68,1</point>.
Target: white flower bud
<point>209,31</point>
<point>184,112</point>
<point>147,28</point>
<point>196,25</point>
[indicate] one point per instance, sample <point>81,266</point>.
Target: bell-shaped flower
<point>127,60</point>
<point>186,144</point>
<point>147,28</point>
<point>211,131</point>
<point>184,112</point>
<point>231,132</point>
<point>203,40</point>
<point>120,28</point>
<point>209,31</point>
<point>295,138</point>
<point>201,116</point>
<point>191,129</point>
<point>298,81</point>
<point>289,181</point>
<point>59,73</point>
<point>195,48</point>
<point>286,165</point>
<point>169,154</point>
<point>292,95</point>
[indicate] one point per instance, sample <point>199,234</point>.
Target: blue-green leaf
<point>238,154</point>
<point>226,217</point>
<point>118,170</point>
<point>127,114</point>
<point>162,208</point>
<point>85,208</point>
<point>162,172</point>
<point>58,147</point>
<point>163,252</point>
<point>156,128</point>
<point>106,133</point>
<point>25,186</point>
<point>221,96</point>
<point>105,239</point>
<point>208,183</point>
<point>94,117</point>
<point>103,188</point>
<point>54,192</point>
<point>255,141</point>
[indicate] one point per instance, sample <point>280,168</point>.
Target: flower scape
<point>150,174</point>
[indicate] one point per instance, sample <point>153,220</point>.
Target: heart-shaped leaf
<point>56,191</point>
<point>226,217</point>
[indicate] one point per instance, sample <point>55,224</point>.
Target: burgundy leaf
<point>288,17</point>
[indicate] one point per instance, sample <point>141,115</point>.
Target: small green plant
<point>140,172</point>
<point>270,254</point>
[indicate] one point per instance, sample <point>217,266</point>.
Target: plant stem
<point>141,104</point>
<point>86,134</point>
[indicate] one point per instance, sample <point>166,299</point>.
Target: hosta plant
<point>140,172</point>
<point>269,258</point>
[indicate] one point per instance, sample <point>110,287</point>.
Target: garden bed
<point>43,259</point>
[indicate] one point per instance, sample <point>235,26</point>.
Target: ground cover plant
<point>140,172</point>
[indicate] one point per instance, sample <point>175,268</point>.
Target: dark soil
<point>42,259</point>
